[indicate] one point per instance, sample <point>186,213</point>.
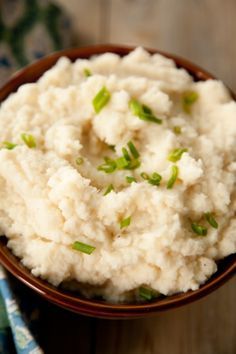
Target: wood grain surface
<point>203,31</point>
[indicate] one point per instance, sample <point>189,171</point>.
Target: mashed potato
<point>74,218</point>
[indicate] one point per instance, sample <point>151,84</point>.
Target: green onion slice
<point>176,154</point>
<point>133,164</point>
<point>199,229</point>
<point>29,140</point>
<point>173,177</point>
<point>108,166</point>
<point>8,145</point>
<point>101,99</point>
<point>130,179</point>
<point>79,161</point>
<point>87,72</point>
<point>188,99</point>
<point>143,112</point>
<point>144,175</point>
<point>147,293</point>
<point>133,150</point>
<point>211,220</point>
<point>121,163</point>
<point>83,247</point>
<point>125,222</point>
<point>177,130</point>
<point>126,154</point>
<point>155,179</point>
<point>109,189</point>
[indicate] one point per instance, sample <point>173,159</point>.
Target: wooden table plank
<point>204,327</point>
<point>199,30</point>
<point>87,19</point>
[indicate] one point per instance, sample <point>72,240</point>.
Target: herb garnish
<point>133,150</point>
<point>108,166</point>
<point>83,247</point>
<point>125,222</point>
<point>87,72</point>
<point>130,179</point>
<point>174,175</point>
<point>29,140</point>
<point>79,161</point>
<point>188,99</point>
<point>143,112</point>
<point>8,145</point>
<point>177,130</point>
<point>176,154</point>
<point>125,162</point>
<point>199,229</point>
<point>101,99</point>
<point>147,293</point>
<point>211,220</point>
<point>154,179</point>
<point>109,189</point>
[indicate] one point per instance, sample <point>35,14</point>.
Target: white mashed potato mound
<point>48,201</point>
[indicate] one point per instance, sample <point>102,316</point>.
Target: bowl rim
<point>63,298</point>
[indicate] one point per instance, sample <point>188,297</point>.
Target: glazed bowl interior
<point>74,301</point>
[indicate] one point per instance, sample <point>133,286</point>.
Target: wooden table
<point>203,31</point>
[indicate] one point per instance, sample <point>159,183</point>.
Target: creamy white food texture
<point>48,202</point>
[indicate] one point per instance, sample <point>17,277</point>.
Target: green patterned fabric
<point>29,30</point>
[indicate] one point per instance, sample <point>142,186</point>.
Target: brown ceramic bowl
<point>73,301</point>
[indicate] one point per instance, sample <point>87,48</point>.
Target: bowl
<point>74,301</point>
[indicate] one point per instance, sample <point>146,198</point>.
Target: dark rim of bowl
<point>73,301</point>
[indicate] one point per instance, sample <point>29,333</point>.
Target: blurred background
<point>203,31</point>
<point>200,30</point>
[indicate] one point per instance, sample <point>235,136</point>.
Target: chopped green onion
<point>108,167</point>
<point>126,154</point>
<point>101,99</point>
<point>121,163</point>
<point>177,130</point>
<point>79,161</point>
<point>8,145</point>
<point>144,175</point>
<point>199,229</point>
<point>174,175</point>
<point>143,112</point>
<point>125,222</point>
<point>188,99</point>
<point>155,179</point>
<point>130,179</point>
<point>211,220</point>
<point>87,72</point>
<point>28,140</point>
<point>109,189</point>
<point>133,164</point>
<point>133,150</point>
<point>83,247</point>
<point>108,160</point>
<point>147,293</point>
<point>176,154</point>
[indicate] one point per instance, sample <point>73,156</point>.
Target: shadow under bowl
<point>74,301</point>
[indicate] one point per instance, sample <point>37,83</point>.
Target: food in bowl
<point>117,176</point>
